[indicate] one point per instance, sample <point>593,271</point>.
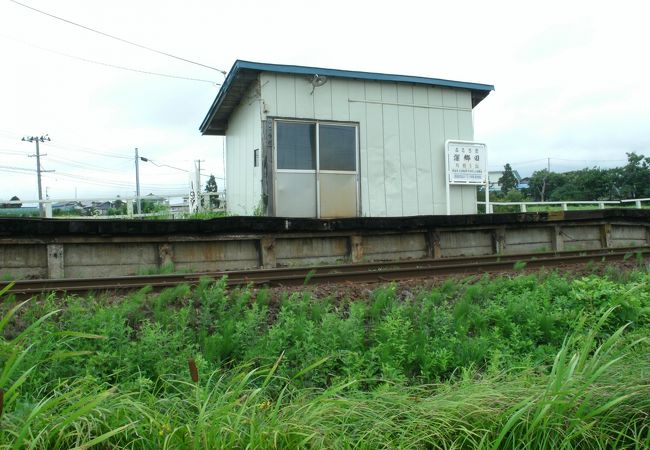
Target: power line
<point>513,163</point>
<point>125,184</point>
<point>89,150</point>
<point>74,147</point>
<point>115,184</point>
<point>83,165</point>
<point>589,160</point>
<point>85,180</point>
<point>142,158</point>
<point>12,168</point>
<point>114,66</point>
<point>119,38</point>
<point>12,152</point>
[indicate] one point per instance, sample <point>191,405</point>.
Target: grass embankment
<point>536,361</point>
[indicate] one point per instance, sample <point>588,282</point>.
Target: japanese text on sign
<point>466,163</point>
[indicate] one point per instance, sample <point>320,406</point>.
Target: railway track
<point>366,272</point>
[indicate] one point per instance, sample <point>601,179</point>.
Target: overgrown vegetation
<point>629,181</point>
<point>589,184</point>
<point>533,361</point>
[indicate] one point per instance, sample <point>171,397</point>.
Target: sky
<point>571,79</point>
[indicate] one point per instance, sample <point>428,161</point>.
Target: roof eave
<point>218,127</point>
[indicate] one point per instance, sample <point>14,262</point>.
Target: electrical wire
<point>588,160</point>
<point>114,66</point>
<point>177,168</point>
<point>76,148</point>
<point>22,171</point>
<point>124,184</point>
<point>87,150</point>
<point>91,181</point>
<point>81,165</point>
<point>13,152</point>
<point>119,38</point>
<point>10,134</point>
<point>82,178</point>
<point>162,165</point>
<point>17,168</point>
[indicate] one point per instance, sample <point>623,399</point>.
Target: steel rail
<point>365,272</point>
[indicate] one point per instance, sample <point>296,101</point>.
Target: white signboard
<point>466,162</point>
<point>194,199</point>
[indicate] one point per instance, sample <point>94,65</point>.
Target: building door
<point>316,169</point>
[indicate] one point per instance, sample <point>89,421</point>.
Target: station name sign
<point>466,162</point>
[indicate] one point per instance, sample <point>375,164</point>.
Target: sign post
<point>466,164</point>
<point>194,199</point>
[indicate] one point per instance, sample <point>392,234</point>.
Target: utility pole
<point>137,181</point>
<point>38,155</point>
<point>548,172</point>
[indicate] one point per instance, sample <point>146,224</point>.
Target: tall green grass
<point>530,362</point>
<point>55,416</point>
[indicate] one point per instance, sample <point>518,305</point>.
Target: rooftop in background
<point>244,72</point>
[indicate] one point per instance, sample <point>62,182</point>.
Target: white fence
<point>601,204</point>
<point>166,205</point>
<point>96,208</point>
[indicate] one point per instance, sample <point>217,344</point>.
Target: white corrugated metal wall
<point>243,136</point>
<point>403,128</point>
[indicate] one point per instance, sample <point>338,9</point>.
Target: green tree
<point>635,176</point>
<point>629,181</point>
<point>508,181</point>
<point>587,184</point>
<point>211,186</point>
<point>543,183</point>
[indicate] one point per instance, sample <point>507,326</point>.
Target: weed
<point>309,276</point>
<point>640,261</point>
<point>530,361</point>
<point>519,266</point>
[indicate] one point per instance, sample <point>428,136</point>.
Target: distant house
<point>180,205</point>
<point>71,206</point>
<point>102,208</point>
<point>495,175</point>
<point>156,199</point>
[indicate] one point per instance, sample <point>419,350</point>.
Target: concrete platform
<point>57,248</point>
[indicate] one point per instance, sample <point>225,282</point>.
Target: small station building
<point>325,143</point>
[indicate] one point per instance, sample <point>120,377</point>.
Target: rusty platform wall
<point>54,248</point>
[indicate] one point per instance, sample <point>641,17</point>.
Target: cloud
<point>570,76</point>
<point>554,39</point>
